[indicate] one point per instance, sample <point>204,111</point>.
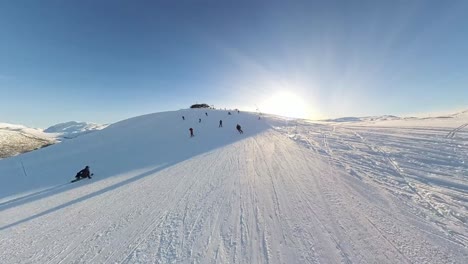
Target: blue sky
<point>104,61</point>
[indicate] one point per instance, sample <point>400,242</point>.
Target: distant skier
<point>220,123</point>
<point>84,173</point>
<point>191,132</point>
<point>229,113</point>
<point>206,114</point>
<point>183,117</point>
<point>238,127</point>
<point>199,120</point>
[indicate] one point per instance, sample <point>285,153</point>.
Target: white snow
<point>73,129</point>
<point>37,132</point>
<point>285,191</point>
<point>16,139</point>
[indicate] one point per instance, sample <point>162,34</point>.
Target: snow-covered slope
<point>145,141</point>
<point>364,119</point>
<point>16,139</point>
<point>282,192</point>
<point>446,122</point>
<point>456,120</point>
<point>73,129</point>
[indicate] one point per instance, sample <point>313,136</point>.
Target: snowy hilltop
<point>17,139</point>
<point>284,191</point>
<point>73,129</point>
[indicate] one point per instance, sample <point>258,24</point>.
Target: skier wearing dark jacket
<point>238,127</point>
<point>84,173</point>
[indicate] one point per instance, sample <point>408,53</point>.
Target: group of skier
<point>238,127</point>
<point>85,173</point>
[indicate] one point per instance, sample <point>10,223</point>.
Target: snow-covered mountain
<point>285,191</point>
<point>364,119</point>
<point>73,129</point>
<point>456,119</point>
<point>17,139</point>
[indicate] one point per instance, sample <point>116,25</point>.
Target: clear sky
<point>104,61</point>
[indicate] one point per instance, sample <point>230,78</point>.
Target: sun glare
<point>285,104</point>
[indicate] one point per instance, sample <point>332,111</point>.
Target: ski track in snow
<point>452,133</point>
<point>298,193</point>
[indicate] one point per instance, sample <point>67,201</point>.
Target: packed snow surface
<point>285,191</point>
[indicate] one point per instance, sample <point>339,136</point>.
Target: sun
<point>286,104</point>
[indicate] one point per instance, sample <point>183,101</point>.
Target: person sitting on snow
<point>84,173</point>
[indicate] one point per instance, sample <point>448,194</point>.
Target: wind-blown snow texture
<point>283,192</point>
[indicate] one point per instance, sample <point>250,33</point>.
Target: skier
<point>229,113</point>
<point>199,120</point>
<point>238,127</point>
<point>191,132</point>
<point>84,173</point>
<point>206,114</point>
<point>183,117</point>
<point>220,123</point>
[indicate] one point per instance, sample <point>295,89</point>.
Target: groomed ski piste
<point>285,191</point>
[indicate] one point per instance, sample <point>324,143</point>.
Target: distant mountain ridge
<point>17,139</point>
<point>73,129</point>
<point>462,114</point>
<point>363,119</point>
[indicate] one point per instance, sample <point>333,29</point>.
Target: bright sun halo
<point>285,104</point>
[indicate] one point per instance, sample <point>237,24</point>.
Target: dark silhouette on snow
<point>183,117</point>
<point>229,113</point>
<point>191,132</point>
<point>200,106</point>
<point>206,114</point>
<point>238,127</point>
<point>220,123</point>
<point>84,173</point>
<point>199,120</point>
